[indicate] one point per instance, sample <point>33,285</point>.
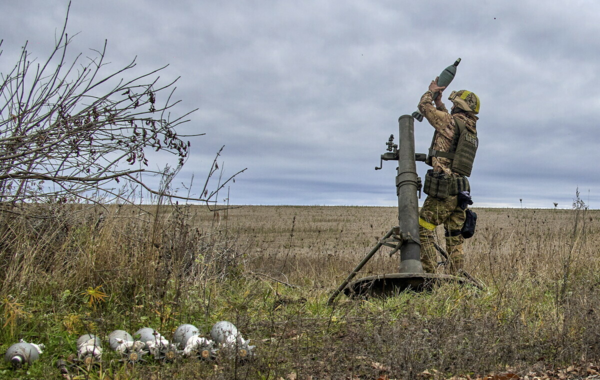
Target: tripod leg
<point>359,267</point>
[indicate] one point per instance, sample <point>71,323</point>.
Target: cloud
<point>305,94</point>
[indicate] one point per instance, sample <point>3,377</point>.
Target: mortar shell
<point>89,348</point>
<point>21,353</point>
<point>116,336</point>
<point>84,339</point>
<point>225,332</point>
<point>183,334</point>
<point>148,334</point>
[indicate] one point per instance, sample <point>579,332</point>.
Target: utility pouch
<point>458,184</point>
<point>436,184</point>
<point>468,229</point>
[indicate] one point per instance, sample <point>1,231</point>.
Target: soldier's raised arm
<point>437,115</point>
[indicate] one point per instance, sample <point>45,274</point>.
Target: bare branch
<point>70,128</point>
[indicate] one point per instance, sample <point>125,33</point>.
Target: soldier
<point>451,156</point>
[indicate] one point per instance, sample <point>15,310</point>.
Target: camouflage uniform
<point>446,211</point>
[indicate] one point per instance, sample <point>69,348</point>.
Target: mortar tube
<point>408,202</point>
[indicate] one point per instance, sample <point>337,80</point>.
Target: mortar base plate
<point>386,285</point>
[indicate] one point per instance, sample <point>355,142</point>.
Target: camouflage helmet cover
<point>465,100</point>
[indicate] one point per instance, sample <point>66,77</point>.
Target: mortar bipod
<point>397,239</point>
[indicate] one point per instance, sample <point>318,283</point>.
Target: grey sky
<point>305,94</point>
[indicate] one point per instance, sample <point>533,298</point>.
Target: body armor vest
<point>462,151</point>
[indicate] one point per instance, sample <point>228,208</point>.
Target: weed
<point>12,311</point>
<point>94,296</point>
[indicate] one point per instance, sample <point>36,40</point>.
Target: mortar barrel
<point>408,202</point>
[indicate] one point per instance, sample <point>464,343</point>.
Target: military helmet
<point>465,100</point>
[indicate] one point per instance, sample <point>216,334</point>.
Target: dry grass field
<point>321,245</point>
<point>271,269</point>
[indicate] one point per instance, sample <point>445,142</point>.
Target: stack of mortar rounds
<point>225,336</point>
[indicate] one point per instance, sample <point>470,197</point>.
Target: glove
<point>464,199</point>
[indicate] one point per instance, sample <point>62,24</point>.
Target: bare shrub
<point>73,129</point>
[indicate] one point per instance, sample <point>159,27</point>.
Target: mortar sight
<point>391,147</point>
<point>392,153</point>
